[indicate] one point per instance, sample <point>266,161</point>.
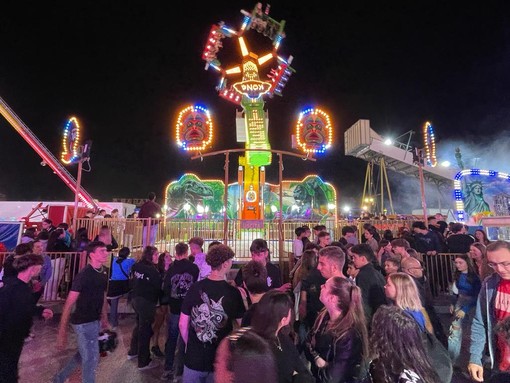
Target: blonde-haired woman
<point>401,289</point>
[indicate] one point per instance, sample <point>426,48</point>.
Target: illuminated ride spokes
<point>250,90</point>
<point>245,85</point>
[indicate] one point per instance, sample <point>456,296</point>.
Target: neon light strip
<point>65,142</point>
<point>242,44</point>
<point>429,141</point>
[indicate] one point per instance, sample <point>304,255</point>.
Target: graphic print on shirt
<point>408,376</point>
<point>180,284</point>
<point>208,318</point>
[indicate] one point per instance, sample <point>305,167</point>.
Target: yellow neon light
<point>265,58</point>
<point>233,70</point>
<point>244,49</point>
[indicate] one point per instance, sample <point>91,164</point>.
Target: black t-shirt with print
<point>211,306</point>
<point>91,285</point>
<point>179,278</point>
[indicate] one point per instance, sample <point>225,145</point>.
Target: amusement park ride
<point>248,83</point>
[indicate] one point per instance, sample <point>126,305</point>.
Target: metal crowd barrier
<point>438,269</point>
<point>65,266</point>
<point>130,231</point>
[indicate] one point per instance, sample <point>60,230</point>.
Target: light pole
<point>84,156</point>
<point>418,160</point>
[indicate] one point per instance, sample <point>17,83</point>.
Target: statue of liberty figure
<point>474,202</point>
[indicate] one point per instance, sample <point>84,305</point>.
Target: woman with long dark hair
<point>398,354</point>
<point>145,295</point>
<point>271,321</point>
<point>478,253</point>
<point>481,237</point>
<point>467,286</point>
<point>337,344</point>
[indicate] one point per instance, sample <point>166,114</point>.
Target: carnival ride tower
<point>244,85</point>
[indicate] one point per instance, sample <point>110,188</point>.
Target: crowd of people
<point>352,311</point>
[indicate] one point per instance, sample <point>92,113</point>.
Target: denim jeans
<point>114,307</point>
<point>194,376</point>
<point>455,339</point>
<point>174,341</point>
<point>142,333</point>
<point>87,355</point>
<point>459,341</point>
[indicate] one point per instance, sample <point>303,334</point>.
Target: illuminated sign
<point>257,137</point>
<point>252,88</point>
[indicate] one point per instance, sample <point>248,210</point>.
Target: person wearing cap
<point>260,253</point>
<point>207,313</point>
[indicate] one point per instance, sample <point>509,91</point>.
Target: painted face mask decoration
<point>314,131</point>
<point>194,128</point>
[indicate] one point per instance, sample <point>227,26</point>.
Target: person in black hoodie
<point>369,280</point>
<point>17,306</point>
<point>145,295</point>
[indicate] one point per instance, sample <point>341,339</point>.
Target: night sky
<point>126,68</point>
